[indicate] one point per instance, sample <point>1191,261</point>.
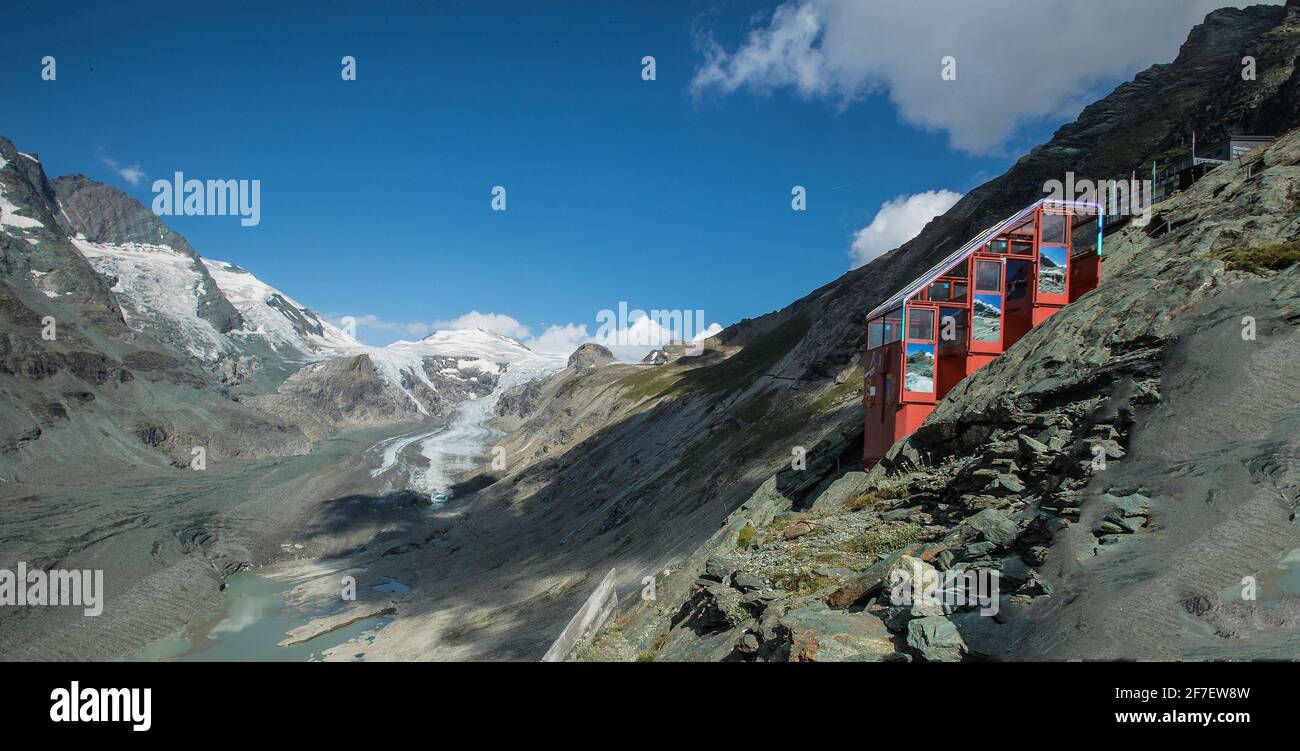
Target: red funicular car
<point>968,309</point>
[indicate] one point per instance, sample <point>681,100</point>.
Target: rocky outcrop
<point>1059,469</point>
<point>589,357</point>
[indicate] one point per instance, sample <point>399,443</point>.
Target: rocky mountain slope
<point>654,469</point>
<point>237,335</point>
<point>170,418</point>
<point>1065,466</point>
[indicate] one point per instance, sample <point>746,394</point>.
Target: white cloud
<point>133,174</point>
<point>497,323</point>
<point>898,221</point>
<point>713,330</point>
<point>1016,62</point>
<point>378,324</point>
<point>631,342</point>
<point>559,340</point>
<point>631,335</point>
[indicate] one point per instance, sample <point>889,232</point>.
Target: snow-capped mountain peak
<point>273,315</point>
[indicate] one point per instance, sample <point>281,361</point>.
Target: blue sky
<point>375,199</point>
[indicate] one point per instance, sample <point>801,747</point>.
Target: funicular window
<point>952,328</point>
<point>885,329</point>
<point>998,246</point>
<point>987,315</point>
<point>1053,228</point>
<point>891,326</point>
<point>940,291</point>
<point>959,290</point>
<point>1051,269</point>
<point>920,368</point>
<point>988,276</point>
<point>1022,248</point>
<point>986,311</point>
<point>1083,236</point>
<point>957,272</point>
<point>875,333</point>
<point>920,324</point>
<point>1017,281</point>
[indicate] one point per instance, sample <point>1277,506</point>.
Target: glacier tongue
<point>458,445</point>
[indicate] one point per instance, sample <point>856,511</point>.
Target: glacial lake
<point>253,622</point>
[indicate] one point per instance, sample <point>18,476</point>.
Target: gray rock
<point>1030,447</point>
<point>1004,484</point>
<point>1014,571</point>
<point>718,569</point>
<point>746,582</point>
<point>935,639</point>
<point>994,527</point>
<point>819,634</point>
<point>850,485</point>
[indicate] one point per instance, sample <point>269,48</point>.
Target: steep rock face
<point>107,216</point>
<point>36,253</point>
<point>81,392</point>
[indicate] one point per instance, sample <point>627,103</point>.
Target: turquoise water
<point>253,623</point>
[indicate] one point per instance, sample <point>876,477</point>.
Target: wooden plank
<point>586,622</point>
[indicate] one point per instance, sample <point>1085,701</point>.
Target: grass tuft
<point>1262,258</point>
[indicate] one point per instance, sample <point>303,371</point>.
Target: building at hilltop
<point>1180,173</point>
<point>969,308</point>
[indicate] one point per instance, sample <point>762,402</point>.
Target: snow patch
<point>253,299</point>
<point>9,214</point>
<point>161,286</point>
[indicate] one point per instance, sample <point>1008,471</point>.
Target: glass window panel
<point>958,271</point>
<point>1051,269</point>
<point>920,368</point>
<point>959,292</point>
<point>940,291</point>
<point>1083,238</point>
<point>1017,280</point>
<point>998,246</point>
<point>988,276</point>
<point>893,328</point>
<point>987,316</point>
<point>1022,248</point>
<point>1054,228</point>
<point>920,323</point>
<point>952,326</point>
<point>875,333</point>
